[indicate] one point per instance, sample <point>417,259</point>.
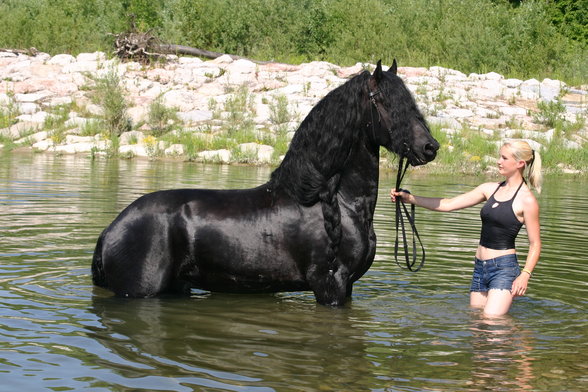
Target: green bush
<point>60,26</point>
<point>524,39</point>
<point>9,112</point>
<point>109,94</point>
<point>162,119</point>
<point>550,113</point>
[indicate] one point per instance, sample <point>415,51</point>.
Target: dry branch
<point>144,47</point>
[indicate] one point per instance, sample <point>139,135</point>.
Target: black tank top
<point>500,225</point>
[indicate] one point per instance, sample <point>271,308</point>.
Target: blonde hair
<point>522,151</point>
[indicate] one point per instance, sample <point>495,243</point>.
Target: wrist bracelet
<point>527,271</point>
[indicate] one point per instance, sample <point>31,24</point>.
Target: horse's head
<point>400,126</point>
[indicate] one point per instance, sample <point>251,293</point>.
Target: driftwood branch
<point>144,47</point>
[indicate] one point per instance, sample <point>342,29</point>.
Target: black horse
<point>309,228</point>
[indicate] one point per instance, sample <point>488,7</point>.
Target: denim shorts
<point>497,273</point>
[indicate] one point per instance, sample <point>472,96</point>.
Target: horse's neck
<point>359,180</point>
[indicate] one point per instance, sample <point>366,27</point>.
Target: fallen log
<point>145,47</point>
<point>187,50</point>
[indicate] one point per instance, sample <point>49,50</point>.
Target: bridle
<point>401,206</point>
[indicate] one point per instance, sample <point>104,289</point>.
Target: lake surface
<point>402,331</point>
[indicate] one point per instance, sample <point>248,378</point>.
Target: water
<point>402,331</point>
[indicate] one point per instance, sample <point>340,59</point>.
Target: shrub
<point>550,113</point>
<point>8,114</point>
<point>161,119</point>
<point>109,94</point>
<point>279,113</point>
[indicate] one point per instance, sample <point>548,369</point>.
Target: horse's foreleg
<point>330,286</point>
<point>349,290</point>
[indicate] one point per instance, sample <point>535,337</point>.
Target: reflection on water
<point>401,332</point>
<point>233,340</point>
<point>502,357</point>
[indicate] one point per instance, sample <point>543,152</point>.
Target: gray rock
<point>20,129</point>
<point>61,59</point>
<point>35,137</point>
<point>137,150</point>
<point>550,89</point>
<point>195,116</point>
<point>37,117</point>
<point>264,153</point>
<point>175,149</point>
<point>28,107</point>
<point>43,145</point>
<point>132,136</point>
<point>530,89</point>
<point>222,155</point>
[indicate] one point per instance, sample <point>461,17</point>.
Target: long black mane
<point>323,142</point>
<point>336,125</point>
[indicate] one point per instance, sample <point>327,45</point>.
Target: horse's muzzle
<point>426,154</point>
<point>430,151</point>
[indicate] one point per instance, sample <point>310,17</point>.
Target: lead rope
<point>410,217</point>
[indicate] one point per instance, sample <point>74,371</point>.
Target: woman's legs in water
<point>495,302</point>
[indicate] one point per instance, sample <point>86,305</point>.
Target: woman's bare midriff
<point>484,253</point>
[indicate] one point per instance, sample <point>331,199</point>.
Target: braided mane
<point>311,169</point>
<point>323,142</point>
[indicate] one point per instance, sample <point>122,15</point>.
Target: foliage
<point>161,119</point>
<point>279,113</point>
<point>558,156</point>
<point>240,111</point>
<point>59,26</point>
<point>109,94</point>
<point>8,113</point>
<point>518,39</point>
<point>571,18</point>
<point>58,116</point>
<point>550,112</point>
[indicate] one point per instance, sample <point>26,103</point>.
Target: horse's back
<point>220,240</point>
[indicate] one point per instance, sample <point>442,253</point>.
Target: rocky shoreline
<point>34,88</point>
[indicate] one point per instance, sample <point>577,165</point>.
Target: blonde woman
<point>510,204</point>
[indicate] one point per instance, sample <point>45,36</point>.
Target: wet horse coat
<point>309,228</point>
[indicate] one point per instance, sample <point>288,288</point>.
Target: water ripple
<point>402,331</point>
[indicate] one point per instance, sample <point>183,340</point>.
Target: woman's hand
<point>519,286</point>
<point>404,195</point>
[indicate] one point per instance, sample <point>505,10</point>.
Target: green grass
<point>240,111</point>
<point>550,113</point>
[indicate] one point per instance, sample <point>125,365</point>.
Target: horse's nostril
<point>431,148</point>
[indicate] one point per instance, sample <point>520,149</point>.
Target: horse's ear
<point>378,72</point>
<point>393,68</point>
